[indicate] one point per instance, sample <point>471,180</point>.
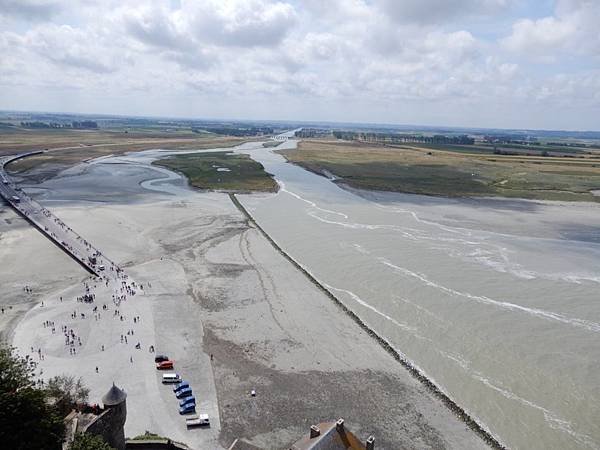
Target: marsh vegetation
<point>221,171</point>
<point>444,172</point>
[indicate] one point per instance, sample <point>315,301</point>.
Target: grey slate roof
<point>114,396</point>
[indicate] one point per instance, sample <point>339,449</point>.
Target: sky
<point>473,63</point>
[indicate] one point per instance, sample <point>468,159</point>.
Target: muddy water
<point>497,301</point>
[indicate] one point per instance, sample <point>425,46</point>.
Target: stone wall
<point>110,425</point>
<point>155,444</point>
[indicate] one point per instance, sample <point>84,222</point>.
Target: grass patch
<point>221,171</point>
<point>424,170</point>
<point>148,436</point>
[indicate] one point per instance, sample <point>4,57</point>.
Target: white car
<point>201,420</point>
<point>171,378</point>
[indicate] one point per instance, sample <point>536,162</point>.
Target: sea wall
<point>485,434</point>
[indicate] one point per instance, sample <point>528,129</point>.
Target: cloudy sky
<point>491,63</point>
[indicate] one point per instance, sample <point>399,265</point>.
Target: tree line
<point>231,131</point>
<point>398,138</point>
<point>82,124</point>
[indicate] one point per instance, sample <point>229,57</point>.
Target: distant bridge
<point>287,135</point>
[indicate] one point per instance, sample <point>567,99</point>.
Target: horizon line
<point>328,122</point>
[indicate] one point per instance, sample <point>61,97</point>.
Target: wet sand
<point>27,259</point>
<point>218,288</point>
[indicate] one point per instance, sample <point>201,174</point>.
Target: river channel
<point>496,300</point>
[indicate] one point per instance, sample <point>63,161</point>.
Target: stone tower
<point>115,401</point>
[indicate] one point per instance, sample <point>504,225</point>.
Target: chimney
<point>339,425</point>
<point>314,431</point>
<point>371,443</point>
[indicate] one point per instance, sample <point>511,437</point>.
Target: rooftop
<point>332,436</point>
<point>114,396</point>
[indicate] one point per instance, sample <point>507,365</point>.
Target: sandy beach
<point>232,312</point>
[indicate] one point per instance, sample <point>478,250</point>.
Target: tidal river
<point>497,301</point>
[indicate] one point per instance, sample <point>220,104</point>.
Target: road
<point>53,228</point>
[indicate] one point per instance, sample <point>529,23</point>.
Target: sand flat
<point>218,287</point>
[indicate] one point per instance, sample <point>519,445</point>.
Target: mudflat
<point>232,312</point>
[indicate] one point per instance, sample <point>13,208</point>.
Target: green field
<point>450,174</point>
<point>238,173</point>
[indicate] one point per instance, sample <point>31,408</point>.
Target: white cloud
<point>540,38</point>
<point>198,35</point>
<point>353,59</point>
<point>242,23</point>
<point>573,29</point>
<point>237,23</point>
<point>72,47</point>
<point>155,26</point>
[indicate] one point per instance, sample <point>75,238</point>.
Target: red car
<point>165,365</point>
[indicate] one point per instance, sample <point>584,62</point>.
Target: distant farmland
<point>418,169</point>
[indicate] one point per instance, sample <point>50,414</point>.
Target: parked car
<point>187,401</point>
<point>185,392</point>
<point>180,386</point>
<point>160,358</point>
<point>187,409</point>
<point>197,421</point>
<point>170,378</point>
<point>165,365</point>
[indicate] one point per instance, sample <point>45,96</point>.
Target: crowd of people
<point>94,291</point>
<point>109,284</point>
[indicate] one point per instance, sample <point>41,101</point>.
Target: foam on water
<point>581,323</point>
<point>361,302</point>
<point>282,188</point>
<point>360,226</point>
<point>417,219</point>
<point>494,256</point>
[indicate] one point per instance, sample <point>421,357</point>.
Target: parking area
<point>179,335</point>
<point>103,348</point>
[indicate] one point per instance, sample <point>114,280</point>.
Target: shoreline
<point>472,423</point>
<point>348,185</point>
<point>360,191</point>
